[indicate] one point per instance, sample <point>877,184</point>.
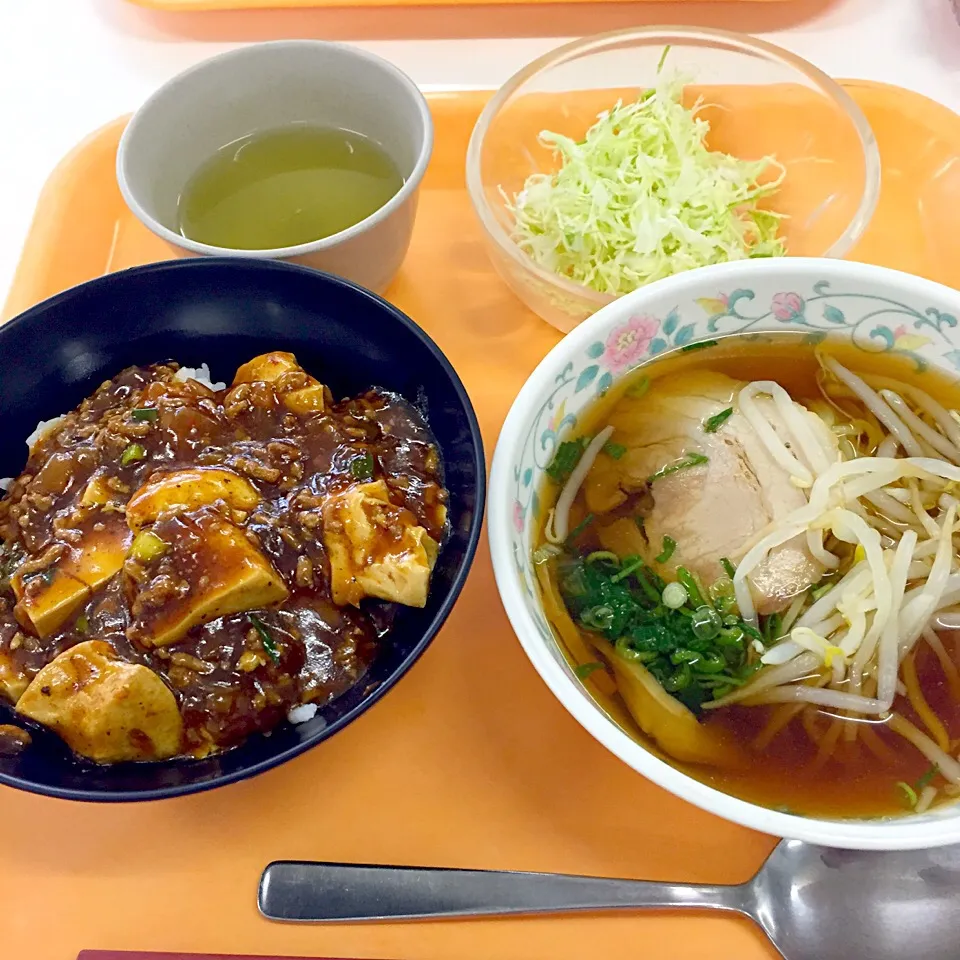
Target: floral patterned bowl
<point>875,309</point>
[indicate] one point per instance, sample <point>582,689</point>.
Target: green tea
<point>278,188</point>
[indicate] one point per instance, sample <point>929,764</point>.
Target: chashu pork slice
<point>712,510</point>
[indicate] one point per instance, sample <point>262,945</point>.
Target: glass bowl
<point>760,100</point>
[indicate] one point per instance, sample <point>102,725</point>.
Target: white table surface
<point>69,66</point>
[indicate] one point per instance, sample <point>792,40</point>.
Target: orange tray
<point>470,762</point>
<point>189,6</point>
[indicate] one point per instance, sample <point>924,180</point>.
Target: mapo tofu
<point>183,565</point>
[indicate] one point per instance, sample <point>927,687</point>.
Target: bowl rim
<point>670,33</point>
<point>140,119</point>
<point>905,833</point>
<point>431,629</point>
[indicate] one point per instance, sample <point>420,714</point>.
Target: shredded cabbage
<point>642,197</point>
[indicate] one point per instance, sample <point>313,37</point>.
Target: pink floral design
<point>518,516</point>
<point>787,307</point>
<point>628,343</point>
<point>901,331</point>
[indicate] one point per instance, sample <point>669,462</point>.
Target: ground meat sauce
<point>239,673</point>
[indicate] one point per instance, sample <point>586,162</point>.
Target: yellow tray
<point>470,761</point>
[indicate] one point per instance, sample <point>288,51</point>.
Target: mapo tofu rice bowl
<point>187,563</point>
<point>725,524</point>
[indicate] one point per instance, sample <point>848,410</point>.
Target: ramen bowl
<point>759,100</point>
<point>865,310</point>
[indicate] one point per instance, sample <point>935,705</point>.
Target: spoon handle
<point>304,891</point>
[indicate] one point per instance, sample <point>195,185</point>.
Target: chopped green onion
<point>728,568</point>
<point>615,450</point>
<point>584,670</point>
<point>714,423</point>
<point>674,596</point>
<point>817,592</point>
<point>598,618</point>
<point>639,389</point>
<point>627,570</point>
<point>712,663</point>
<point>603,555</point>
<point>680,680</point>
<point>134,452</point>
<point>147,546</point>
<point>909,795</point>
<point>692,587</point>
<point>653,594</point>
<point>669,545</point>
<point>566,458</point>
<point>145,414</point>
<point>701,345</point>
<point>579,528</point>
<point>771,629</point>
<point>265,638</point>
<point>82,623</point>
<point>926,779</point>
<point>640,522</point>
<point>689,650</point>
<point>361,467</point>
<point>623,648</point>
<point>690,460</point>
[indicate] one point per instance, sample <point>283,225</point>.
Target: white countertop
<point>69,66</point>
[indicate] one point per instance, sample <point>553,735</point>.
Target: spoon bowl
<point>821,903</point>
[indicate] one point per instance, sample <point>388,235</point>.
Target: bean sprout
<point>560,527</point>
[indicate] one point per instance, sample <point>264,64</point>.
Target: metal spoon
<point>814,903</point>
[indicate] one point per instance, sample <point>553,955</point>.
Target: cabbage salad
<point>642,197</point>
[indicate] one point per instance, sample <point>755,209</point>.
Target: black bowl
<point>223,312</point>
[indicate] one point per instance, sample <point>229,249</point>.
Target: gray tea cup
<point>267,86</point>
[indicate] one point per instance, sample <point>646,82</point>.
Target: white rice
<point>43,428</point>
<point>302,713</point>
<point>201,374</point>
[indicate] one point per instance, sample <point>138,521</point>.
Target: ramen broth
<point>800,757</point>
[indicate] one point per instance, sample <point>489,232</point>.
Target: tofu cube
<point>267,367</point>
<point>223,572</point>
<point>306,400</point>
<point>183,491</point>
<point>376,548</point>
<point>296,396</point>
<point>105,709</point>
<point>47,599</point>
<point>13,681</point>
